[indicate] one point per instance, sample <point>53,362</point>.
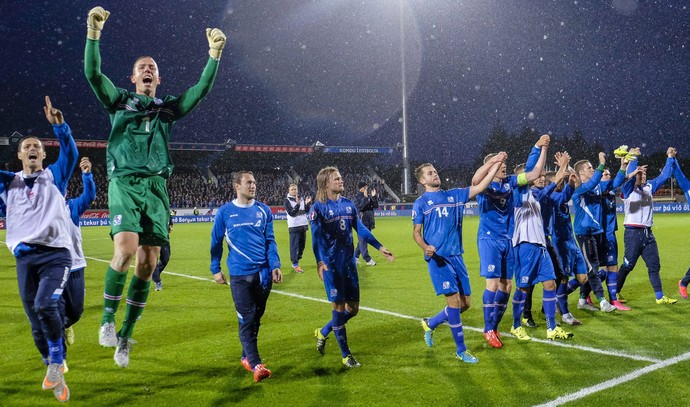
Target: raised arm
<point>67,159</point>
<point>563,162</point>
<point>104,89</point>
<point>534,155</point>
<point>683,182</point>
<point>596,178</point>
<point>192,96</point>
<point>80,204</point>
<point>535,172</point>
<point>496,162</point>
<point>481,172</point>
<point>666,171</point>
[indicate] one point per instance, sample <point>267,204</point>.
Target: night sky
<point>294,72</point>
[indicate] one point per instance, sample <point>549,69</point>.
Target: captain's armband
<point>522,179</point>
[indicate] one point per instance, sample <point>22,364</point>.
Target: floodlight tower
<point>406,157</point>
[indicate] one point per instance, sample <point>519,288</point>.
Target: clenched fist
<point>216,42</point>
<point>95,21</point>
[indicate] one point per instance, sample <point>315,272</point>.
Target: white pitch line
<point>615,381</point>
<point>480,330</point>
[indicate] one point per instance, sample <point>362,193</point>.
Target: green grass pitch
<point>188,351</point>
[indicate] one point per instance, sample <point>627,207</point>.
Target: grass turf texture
<point>188,350</point>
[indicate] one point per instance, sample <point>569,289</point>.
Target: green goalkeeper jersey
<point>141,125</point>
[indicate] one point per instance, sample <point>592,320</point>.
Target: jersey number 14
<point>442,211</point>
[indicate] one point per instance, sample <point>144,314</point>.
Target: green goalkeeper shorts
<point>140,205</point>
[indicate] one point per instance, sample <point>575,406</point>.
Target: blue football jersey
<point>332,223</point>
<point>562,223</point>
<point>496,209</point>
<point>248,231</point>
<point>440,213</point>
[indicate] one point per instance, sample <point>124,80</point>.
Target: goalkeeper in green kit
<point>139,164</point>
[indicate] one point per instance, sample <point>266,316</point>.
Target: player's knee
<point>352,310</point>
<point>47,311</point>
<point>122,259</point>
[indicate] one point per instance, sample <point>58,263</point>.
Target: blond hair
<point>322,183</point>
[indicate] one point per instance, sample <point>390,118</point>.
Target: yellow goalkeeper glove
<point>95,21</point>
<point>216,42</point>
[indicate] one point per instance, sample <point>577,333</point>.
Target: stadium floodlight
<point>405,150</point>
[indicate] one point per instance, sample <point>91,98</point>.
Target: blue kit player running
<point>639,211</point>
<point>437,218</point>
<point>72,300</point>
<point>333,218</point>
<point>39,237</point>
<point>253,263</point>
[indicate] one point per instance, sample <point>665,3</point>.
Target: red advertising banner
<point>80,143</point>
<point>93,214</point>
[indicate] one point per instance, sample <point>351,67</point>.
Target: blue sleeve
<point>618,181</point>
<point>366,234</point>
<point>271,246</point>
<point>683,182</point>
<point>6,179</point>
<point>589,185</point>
<point>628,187</point>
<point>540,194</point>
<point>79,205</point>
<point>561,197</point>
<point>67,160</point>
<point>417,213</point>
<point>664,176</point>
<point>532,159</point>
<point>217,238</point>
<point>318,240</point>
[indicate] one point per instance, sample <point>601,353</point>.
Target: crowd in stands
<point>189,187</point>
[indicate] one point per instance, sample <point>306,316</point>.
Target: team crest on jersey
<point>157,101</point>
<point>506,187</point>
<point>334,292</point>
<point>259,214</point>
<point>330,212</point>
<point>446,285</point>
<point>135,101</point>
<point>429,202</point>
<point>524,280</point>
<point>451,199</point>
<point>348,209</point>
<point>491,268</point>
<point>117,220</point>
